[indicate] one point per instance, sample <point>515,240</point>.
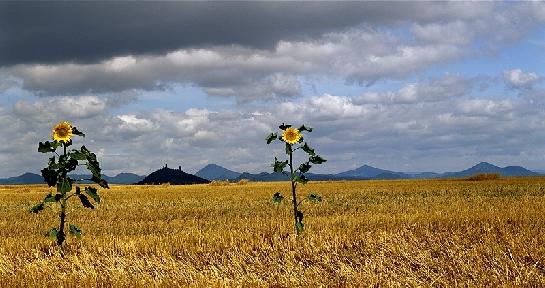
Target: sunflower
<point>291,135</point>
<point>62,132</point>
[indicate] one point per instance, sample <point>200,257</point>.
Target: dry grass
<point>243,181</point>
<point>391,233</point>
<point>219,182</point>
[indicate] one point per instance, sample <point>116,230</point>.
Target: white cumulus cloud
<point>516,78</point>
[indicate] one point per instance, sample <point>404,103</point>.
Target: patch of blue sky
<point>527,55</point>
<point>524,55</point>
<point>403,33</point>
<point>10,96</point>
<point>177,98</point>
<point>338,86</point>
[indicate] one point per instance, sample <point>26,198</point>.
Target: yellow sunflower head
<point>62,132</point>
<point>291,135</point>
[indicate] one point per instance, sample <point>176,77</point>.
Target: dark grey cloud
<point>88,32</point>
<point>243,73</point>
<point>245,50</point>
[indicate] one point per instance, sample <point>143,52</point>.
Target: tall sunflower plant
<point>56,174</point>
<point>294,140</point>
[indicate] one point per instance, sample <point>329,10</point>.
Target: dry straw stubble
<point>411,233</point>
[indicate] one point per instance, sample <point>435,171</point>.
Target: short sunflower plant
<point>56,174</point>
<point>294,140</point>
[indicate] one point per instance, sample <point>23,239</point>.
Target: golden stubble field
<point>364,233</point>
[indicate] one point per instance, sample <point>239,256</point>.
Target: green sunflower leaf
<point>304,167</point>
<point>315,198</point>
<point>91,191</point>
<point>51,198</point>
<point>75,131</point>
<point>101,182</point>
<point>279,166</point>
<point>90,155</point>
<point>300,227</point>
<point>299,216</point>
<point>85,201</point>
<point>304,128</point>
<point>301,179</point>
<point>284,126</point>
<point>78,155</point>
<point>37,208</point>
<point>51,164</point>
<point>85,151</point>
<point>277,198</point>
<point>94,168</point>
<point>308,150</point>
<point>271,137</point>
<point>52,233</point>
<point>75,230</point>
<point>46,147</point>
<point>316,159</point>
<point>50,176</point>
<point>64,186</point>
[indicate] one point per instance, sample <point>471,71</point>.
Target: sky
<point>404,86</point>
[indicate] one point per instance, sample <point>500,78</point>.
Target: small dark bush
<point>484,177</point>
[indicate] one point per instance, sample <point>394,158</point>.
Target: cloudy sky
<point>423,86</point>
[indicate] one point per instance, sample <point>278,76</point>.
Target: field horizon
<point>365,172</point>
<point>440,232</point>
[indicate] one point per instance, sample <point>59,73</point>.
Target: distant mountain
<point>26,178</point>
<point>312,176</point>
<point>124,178</point>
<point>216,172</point>
<point>262,177</point>
<point>32,178</point>
<point>423,175</point>
<point>485,167</point>
<point>369,172</point>
<point>364,171</point>
<point>172,176</point>
<point>390,176</point>
<point>517,171</point>
<point>121,178</point>
<point>267,177</point>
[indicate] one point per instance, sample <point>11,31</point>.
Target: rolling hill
<point>172,176</point>
<point>26,178</point>
<point>216,172</point>
<point>364,171</point>
<point>485,167</point>
<point>32,178</point>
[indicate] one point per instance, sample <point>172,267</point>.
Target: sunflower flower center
<point>290,135</point>
<point>62,132</point>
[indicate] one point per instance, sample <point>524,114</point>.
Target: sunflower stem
<point>293,187</point>
<point>61,235</point>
